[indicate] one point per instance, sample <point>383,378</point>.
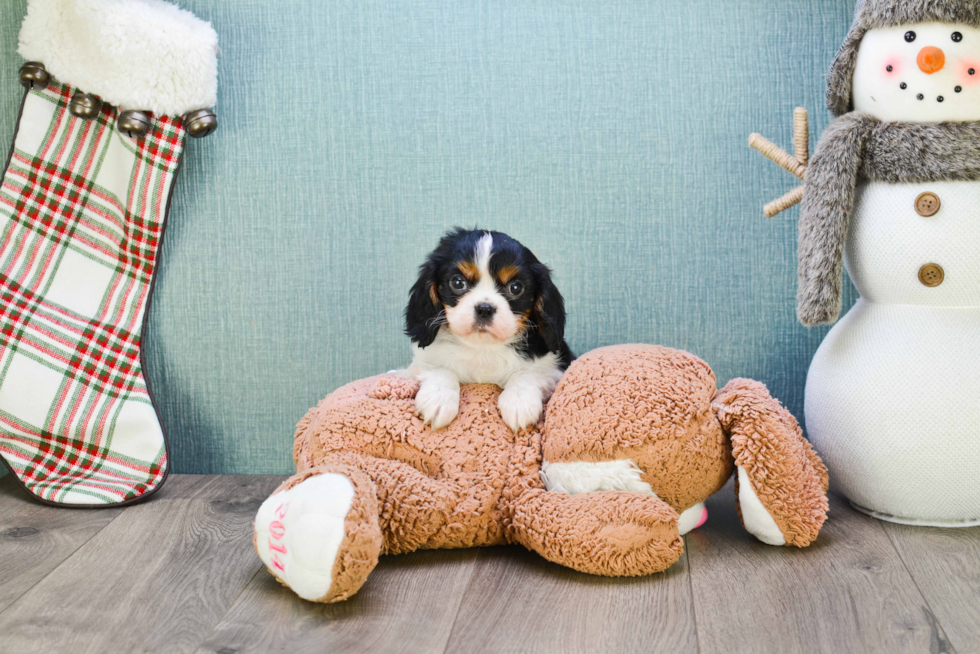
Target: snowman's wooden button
<point>927,204</point>
<point>931,275</point>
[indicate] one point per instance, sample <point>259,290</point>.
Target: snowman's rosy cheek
<point>968,73</point>
<point>892,67</point>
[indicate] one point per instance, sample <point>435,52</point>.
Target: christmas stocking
<point>113,88</point>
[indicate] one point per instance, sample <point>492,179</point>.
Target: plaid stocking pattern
<point>82,210</point>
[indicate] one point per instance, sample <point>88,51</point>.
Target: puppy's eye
<point>909,36</point>
<point>458,283</point>
<point>515,289</point>
<point>957,37</point>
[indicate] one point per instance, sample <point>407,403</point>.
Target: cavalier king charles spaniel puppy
<point>485,311</point>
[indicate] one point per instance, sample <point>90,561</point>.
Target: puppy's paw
<point>437,404</point>
<point>519,408</point>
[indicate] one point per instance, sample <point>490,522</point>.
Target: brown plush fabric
<point>647,403</point>
<point>435,489</point>
<point>609,533</point>
<point>786,473</point>
<point>477,483</point>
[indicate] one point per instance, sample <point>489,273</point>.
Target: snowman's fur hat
<point>872,14</point>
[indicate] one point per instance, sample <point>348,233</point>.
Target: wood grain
<point>35,539</point>
<point>178,574</point>
<point>848,592</point>
<point>518,602</point>
<point>157,578</point>
<point>945,564</point>
<point>408,604</point>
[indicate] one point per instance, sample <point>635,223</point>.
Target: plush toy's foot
<point>609,533</point>
<point>692,518</point>
<point>755,516</point>
<point>781,484</point>
<point>319,533</point>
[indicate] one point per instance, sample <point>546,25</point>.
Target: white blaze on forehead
<point>486,288</point>
<point>482,254</point>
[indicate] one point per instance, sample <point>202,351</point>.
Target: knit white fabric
<point>893,393</point>
<point>888,243</point>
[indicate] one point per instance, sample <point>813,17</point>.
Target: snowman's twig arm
<point>825,214</point>
<point>796,163</point>
<point>801,136</point>
<point>772,151</point>
<point>782,204</point>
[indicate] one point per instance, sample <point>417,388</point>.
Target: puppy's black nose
<point>484,312</point>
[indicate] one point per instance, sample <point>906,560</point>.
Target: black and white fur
<point>484,310</point>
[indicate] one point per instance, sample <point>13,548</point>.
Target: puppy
<point>484,310</point>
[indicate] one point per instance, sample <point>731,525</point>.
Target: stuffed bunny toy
<point>634,439</point>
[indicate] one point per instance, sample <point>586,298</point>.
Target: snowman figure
<point>893,192</point>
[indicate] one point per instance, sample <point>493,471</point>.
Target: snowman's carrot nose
<point>931,60</point>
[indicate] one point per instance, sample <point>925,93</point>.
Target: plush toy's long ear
<point>549,309</point>
<point>424,313</point>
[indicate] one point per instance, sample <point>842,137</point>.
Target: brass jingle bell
<point>85,105</point>
<point>133,124</point>
<point>34,76</point>
<point>200,123</point>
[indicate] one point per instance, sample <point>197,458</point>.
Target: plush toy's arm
<point>608,533</point>
<point>828,201</point>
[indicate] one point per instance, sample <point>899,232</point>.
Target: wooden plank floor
<point>178,574</point>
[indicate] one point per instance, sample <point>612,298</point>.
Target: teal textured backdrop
<point>609,136</point>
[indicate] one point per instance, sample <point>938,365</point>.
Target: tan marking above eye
<point>507,273</point>
<point>469,270</point>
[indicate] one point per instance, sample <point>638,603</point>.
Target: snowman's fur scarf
<point>828,199</point>
<point>872,14</point>
<point>147,55</point>
<point>857,147</point>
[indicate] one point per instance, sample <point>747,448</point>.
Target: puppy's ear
<point>423,315</point>
<point>549,309</point>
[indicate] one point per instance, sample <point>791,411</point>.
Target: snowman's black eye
<point>909,36</point>
<point>958,89</point>
<point>888,68</point>
<point>903,86</point>
<point>957,37</point>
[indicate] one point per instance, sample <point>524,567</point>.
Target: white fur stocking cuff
<point>145,55</point>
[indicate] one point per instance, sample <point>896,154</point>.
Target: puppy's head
<point>484,286</point>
